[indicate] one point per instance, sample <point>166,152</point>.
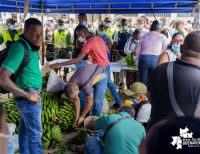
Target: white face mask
<point>107,24</point>
<point>50,33</point>
<point>90,30</point>
<point>141,26</point>
<point>82,39</point>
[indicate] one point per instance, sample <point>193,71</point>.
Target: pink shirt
<point>97,51</point>
<point>153,43</point>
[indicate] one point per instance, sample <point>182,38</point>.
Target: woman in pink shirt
<point>150,47</point>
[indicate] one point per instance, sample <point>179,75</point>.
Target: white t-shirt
<point>130,46</point>
<point>144,113</point>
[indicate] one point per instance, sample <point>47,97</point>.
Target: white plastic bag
<point>54,83</point>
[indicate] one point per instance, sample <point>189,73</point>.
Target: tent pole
<point>26,7</point>
<point>43,43</point>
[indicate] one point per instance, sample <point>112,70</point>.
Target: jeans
<point>99,91</point>
<point>92,146</point>
<point>30,128</point>
<point>111,86</point>
<point>146,64</point>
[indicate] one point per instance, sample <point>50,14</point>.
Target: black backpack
<point>25,61</point>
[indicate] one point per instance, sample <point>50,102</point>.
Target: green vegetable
<point>130,61</point>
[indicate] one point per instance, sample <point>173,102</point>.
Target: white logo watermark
<point>185,138</point>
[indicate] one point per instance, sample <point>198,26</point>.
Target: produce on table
<point>131,62</point>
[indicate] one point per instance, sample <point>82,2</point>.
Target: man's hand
<point>80,120</point>
<point>55,66</point>
<point>34,97</point>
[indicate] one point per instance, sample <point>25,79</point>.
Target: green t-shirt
<point>122,138</point>
<point>31,76</point>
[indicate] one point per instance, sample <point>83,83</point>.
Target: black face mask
<point>33,47</point>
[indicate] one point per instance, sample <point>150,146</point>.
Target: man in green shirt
<point>26,88</point>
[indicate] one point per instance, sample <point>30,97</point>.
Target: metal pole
<point>43,44</point>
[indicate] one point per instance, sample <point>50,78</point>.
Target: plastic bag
<point>54,83</point>
<point>11,142</point>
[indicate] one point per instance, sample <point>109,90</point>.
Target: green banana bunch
<point>81,136</point>
<point>108,96</point>
<point>52,135</point>
<point>49,106</point>
<point>13,114</point>
<point>67,116</point>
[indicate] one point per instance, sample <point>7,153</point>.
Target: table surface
<point>114,66</point>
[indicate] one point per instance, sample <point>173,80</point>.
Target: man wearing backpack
<point>11,34</point>
<point>26,88</point>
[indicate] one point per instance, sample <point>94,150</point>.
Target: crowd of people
<point>165,97</point>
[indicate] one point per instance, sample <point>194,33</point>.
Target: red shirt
<point>97,51</point>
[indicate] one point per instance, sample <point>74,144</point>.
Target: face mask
<point>12,26</point>
<point>107,24</point>
<point>176,47</point>
<point>141,26</point>
<point>101,33</point>
<point>66,25</point>
<point>50,33</point>
<point>135,101</point>
<point>90,30</point>
<point>84,22</point>
<point>82,39</point>
<point>136,41</point>
<point>124,27</point>
<point>60,27</point>
<point>160,25</point>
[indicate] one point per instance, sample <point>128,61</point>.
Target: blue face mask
<point>84,22</point>
<point>124,27</point>
<point>160,25</point>
<point>176,47</point>
<point>101,33</point>
<point>135,101</point>
<point>12,26</point>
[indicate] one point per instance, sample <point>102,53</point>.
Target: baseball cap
<point>10,20</point>
<point>136,88</point>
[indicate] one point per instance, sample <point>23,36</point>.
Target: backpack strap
<point>170,79</point>
<point>111,125</point>
<point>25,60</point>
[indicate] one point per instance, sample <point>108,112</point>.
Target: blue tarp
<point>100,6</point>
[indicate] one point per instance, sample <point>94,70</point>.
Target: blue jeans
<point>99,91</point>
<point>92,146</point>
<point>146,64</point>
<point>111,86</point>
<point>30,128</point>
